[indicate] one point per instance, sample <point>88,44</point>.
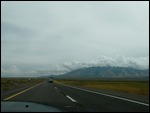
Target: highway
<point>75,99</point>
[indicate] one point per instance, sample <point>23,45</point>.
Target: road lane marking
<point>56,89</point>
<point>15,90</point>
<point>66,95</point>
<point>71,98</point>
<point>21,92</point>
<point>117,97</point>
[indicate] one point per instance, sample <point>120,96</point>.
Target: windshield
<point>75,56</point>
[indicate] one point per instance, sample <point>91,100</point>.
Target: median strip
<point>21,92</point>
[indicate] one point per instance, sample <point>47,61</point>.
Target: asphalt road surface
<point>75,99</point>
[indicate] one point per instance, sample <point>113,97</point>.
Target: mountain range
<point>105,72</point>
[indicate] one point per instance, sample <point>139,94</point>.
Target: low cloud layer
<point>118,61</point>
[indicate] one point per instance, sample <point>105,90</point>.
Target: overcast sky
<point>52,37</point>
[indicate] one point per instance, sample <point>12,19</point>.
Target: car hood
<point>13,106</point>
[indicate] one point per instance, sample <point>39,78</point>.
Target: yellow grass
<point>135,87</point>
<point>8,83</point>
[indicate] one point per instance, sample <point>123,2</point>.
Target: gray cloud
<point>44,34</point>
<point>9,28</point>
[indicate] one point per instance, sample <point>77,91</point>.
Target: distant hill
<point>105,72</point>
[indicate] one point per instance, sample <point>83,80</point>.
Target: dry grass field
<point>135,87</point>
<point>9,83</point>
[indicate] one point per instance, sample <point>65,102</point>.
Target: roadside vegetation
<point>135,87</point>
<point>9,83</point>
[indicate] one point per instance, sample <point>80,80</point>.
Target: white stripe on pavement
<point>70,98</point>
<point>121,98</point>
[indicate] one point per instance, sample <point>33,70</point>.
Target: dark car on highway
<point>50,80</point>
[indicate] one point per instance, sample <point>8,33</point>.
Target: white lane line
<point>121,98</point>
<point>71,98</point>
<point>56,89</point>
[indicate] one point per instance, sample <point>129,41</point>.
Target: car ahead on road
<point>50,80</point>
